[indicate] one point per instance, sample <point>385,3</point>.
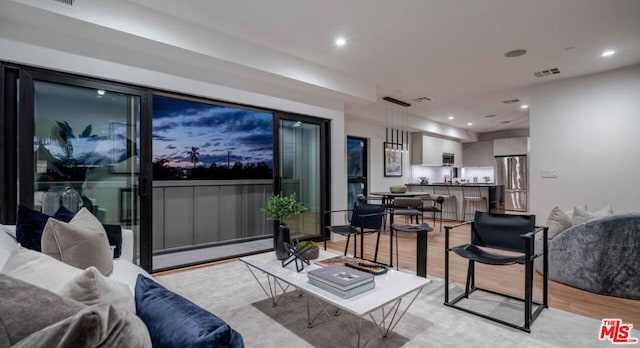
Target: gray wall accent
<point>188,213</point>
<point>178,216</point>
<point>206,217</point>
<point>158,218</point>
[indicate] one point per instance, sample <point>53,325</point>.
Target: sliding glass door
<point>356,168</point>
<point>302,171</point>
<point>83,138</point>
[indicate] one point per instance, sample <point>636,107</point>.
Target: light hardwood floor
<point>509,279</point>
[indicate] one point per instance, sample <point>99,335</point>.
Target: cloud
<point>164,126</point>
<point>252,123</point>
<point>256,139</point>
<point>171,147</point>
<point>162,137</point>
<point>206,145</point>
<point>168,107</point>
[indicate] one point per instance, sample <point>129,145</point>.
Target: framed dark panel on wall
<point>392,159</point>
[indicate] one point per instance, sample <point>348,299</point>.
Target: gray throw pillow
<point>95,326</point>
<point>26,308</point>
<point>81,243</point>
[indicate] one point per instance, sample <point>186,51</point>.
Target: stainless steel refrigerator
<point>511,171</point>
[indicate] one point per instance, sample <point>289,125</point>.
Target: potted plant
<point>280,208</point>
<point>311,249</point>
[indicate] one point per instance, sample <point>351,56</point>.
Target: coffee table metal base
<point>389,317</point>
<point>385,325</point>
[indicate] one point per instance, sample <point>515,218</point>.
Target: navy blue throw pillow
<point>174,321</point>
<point>31,223</point>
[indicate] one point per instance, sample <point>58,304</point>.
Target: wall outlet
<point>549,173</point>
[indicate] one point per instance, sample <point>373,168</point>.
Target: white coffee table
<point>387,295</point>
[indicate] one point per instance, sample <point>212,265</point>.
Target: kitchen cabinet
<point>510,146</point>
<point>477,154</point>
<point>427,150</point>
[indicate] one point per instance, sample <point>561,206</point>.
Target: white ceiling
<point>450,50</point>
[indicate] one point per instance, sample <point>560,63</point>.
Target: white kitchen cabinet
<point>454,147</point>
<point>428,150</point>
<point>477,154</point>
<point>510,146</point>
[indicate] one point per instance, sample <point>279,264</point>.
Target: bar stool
<point>472,197</point>
<point>450,203</point>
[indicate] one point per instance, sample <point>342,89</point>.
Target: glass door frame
<point>26,129</point>
<point>364,178</point>
<point>8,144</point>
<point>325,162</point>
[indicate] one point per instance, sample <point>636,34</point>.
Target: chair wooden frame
<point>528,258</point>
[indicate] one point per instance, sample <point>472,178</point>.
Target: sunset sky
<point>180,124</point>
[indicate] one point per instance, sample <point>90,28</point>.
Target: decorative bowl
<point>397,189</point>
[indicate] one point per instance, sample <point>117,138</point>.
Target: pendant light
<point>396,120</point>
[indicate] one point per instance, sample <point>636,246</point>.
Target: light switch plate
<point>549,173</point>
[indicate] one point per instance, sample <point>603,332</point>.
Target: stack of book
<point>342,281</point>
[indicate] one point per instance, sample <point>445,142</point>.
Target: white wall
<point>363,128</point>
<point>588,129</point>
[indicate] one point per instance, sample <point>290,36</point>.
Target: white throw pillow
<point>7,245</point>
<point>580,215</point>
<point>91,287</point>
<point>81,243</point>
<point>39,269</point>
<point>559,220</point>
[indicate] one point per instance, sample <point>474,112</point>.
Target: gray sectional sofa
<point>600,256</point>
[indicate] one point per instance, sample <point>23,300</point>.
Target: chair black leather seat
<point>472,252</point>
<point>512,233</point>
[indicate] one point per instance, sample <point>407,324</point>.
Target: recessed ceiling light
<point>469,124</point>
<point>608,53</point>
<point>515,53</point>
<point>450,117</point>
<point>101,92</point>
<point>341,41</point>
<point>524,106</point>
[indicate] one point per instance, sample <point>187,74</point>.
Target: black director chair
<point>365,218</point>
<point>514,233</point>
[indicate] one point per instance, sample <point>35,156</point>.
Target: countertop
<point>454,185</point>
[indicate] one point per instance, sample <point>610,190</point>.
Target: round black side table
<point>421,244</point>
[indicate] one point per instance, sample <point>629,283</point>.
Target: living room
<point>580,123</point>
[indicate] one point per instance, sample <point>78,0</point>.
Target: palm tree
<point>194,154</point>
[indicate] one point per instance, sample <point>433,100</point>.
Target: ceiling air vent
<point>510,101</point>
<point>548,72</point>
<point>65,2</point>
<point>423,99</point>
<point>490,116</point>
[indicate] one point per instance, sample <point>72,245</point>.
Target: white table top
<point>389,286</point>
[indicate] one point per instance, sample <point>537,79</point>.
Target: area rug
<point>231,292</point>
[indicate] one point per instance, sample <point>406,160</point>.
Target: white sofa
<point>124,270</point>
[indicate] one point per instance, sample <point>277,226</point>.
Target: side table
<point>421,244</point>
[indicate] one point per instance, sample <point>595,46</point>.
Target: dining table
<point>387,199</point>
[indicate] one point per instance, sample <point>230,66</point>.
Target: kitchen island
<point>493,192</point>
